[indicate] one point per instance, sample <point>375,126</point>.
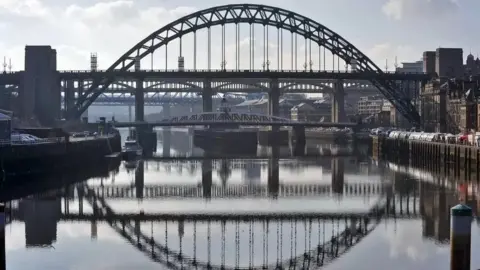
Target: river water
<point>157,214</point>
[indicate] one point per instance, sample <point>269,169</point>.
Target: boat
<point>131,150</point>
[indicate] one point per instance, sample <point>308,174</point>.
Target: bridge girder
<point>287,86</point>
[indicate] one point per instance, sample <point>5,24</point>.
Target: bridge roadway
<point>236,191</point>
<point>155,100</point>
<point>14,78</point>
<point>230,122</point>
<point>233,88</point>
<point>290,86</point>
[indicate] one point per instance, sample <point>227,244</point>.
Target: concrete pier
<point>229,141</point>
<point>273,137</point>
<point>207,96</point>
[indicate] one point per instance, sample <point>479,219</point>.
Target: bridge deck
<point>227,123</point>
<point>15,77</point>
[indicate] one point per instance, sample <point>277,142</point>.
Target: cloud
<point>108,28</point>
<point>417,9</point>
<point>24,8</point>
<point>387,53</point>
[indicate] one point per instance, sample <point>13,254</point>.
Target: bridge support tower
<point>338,178</point>
<point>273,136</point>
<point>166,132</point>
<point>274,101</point>
<point>139,102</point>
<point>207,96</point>
<point>338,103</point>
<point>39,91</point>
<point>146,136</point>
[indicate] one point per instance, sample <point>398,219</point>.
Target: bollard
<point>460,237</point>
<point>2,235</point>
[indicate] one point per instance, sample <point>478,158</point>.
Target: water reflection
<point>258,237</point>
<point>202,211</point>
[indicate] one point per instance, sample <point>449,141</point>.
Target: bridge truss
<point>317,38</point>
<point>121,93</point>
<point>222,118</point>
<point>159,94</point>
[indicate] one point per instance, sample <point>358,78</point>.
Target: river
<point>161,214</point>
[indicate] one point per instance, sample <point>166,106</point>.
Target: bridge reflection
<point>207,189</point>
<point>242,240</point>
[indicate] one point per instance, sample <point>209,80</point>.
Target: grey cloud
<point>419,9</point>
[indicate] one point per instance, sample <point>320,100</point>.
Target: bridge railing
<point>33,142</point>
<point>238,71</point>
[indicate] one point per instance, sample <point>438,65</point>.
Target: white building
<point>411,67</point>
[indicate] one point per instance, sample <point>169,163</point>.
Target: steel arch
<point>253,14</point>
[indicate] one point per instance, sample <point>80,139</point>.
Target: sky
<point>382,29</point>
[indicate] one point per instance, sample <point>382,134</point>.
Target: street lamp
<point>311,65</point>
<point>268,64</point>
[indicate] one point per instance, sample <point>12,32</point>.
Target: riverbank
<point>458,160</point>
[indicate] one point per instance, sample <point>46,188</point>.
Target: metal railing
<point>241,71</point>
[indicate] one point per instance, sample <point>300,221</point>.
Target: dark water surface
<point>119,222</point>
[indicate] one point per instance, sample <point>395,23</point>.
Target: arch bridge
<point>316,37</point>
